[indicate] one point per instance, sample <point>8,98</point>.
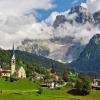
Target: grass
<point>24,85</point>
<point>50,95</point>
<point>23,90</point>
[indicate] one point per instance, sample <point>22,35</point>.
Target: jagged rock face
<point>83,16</point>
<point>62,50</point>
<point>89,59</point>
<point>34,46</point>
<point>97,18</point>
<point>59,20</point>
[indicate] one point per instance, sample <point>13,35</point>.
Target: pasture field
<point>27,90</point>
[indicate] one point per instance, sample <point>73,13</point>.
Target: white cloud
<point>15,25</point>
<point>17,28</point>
<point>23,6</point>
<point>79,33</point>
<point>93,5</point>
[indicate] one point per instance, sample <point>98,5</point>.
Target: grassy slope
<point>24,84</point>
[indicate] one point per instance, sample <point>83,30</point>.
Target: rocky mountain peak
<point>96,16</point>
<point>96,39</point>
<point>83,16</point>
<point>59,19</point>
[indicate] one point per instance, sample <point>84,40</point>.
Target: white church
<point>13,71</point>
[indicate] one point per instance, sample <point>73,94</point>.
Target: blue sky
<point>61,5</point>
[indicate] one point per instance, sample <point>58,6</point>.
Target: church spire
<point>53,68</point>
<point>13,61</point>
<point>13,49</point>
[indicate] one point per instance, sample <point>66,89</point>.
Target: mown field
<point>26,90</point>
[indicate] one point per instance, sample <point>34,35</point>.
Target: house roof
<point>19,68</point>
<point>5,71</point>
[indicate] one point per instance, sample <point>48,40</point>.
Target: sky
<point>21,19</point>
<point>61,6</point>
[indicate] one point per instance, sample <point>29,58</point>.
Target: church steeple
<point>13,61</point>
<point>13,49</point>
<point>13,52</point>
<point>53,68</point>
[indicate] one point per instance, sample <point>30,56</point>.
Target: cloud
<point>9,7</point>
<point>78,33</point>
<point>93,5</point>
<point>10,26</point>
<point>17,28</point>
<point>17,22</point>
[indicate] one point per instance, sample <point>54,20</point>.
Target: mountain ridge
<point>89,59</point>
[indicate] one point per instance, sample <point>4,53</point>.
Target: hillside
<point>89,59</point>
<point>27,59</point>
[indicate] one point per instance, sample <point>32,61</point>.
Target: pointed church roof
<point>53,68</point>
<point>13,52</point>
<point>13,48</point>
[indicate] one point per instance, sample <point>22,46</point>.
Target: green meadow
<point>27,90</point>
<point>22,85</point>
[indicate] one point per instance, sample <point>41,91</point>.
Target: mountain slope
<point>28,59</point>
<point>89,59</point>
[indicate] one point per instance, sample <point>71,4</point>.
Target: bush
<point>7,79</point>
<point>40,90</point>
<point>13,79</point>
<point>83,85</point>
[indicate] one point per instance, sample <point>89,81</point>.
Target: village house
<point>12,70</point>
<point>54,81</point>
<point>96,84</point>
<point>37,77</point>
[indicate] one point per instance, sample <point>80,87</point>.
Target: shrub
<point>83,85</point>
<point>40,90</point>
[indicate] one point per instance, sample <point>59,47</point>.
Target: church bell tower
<point>13,62</point>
